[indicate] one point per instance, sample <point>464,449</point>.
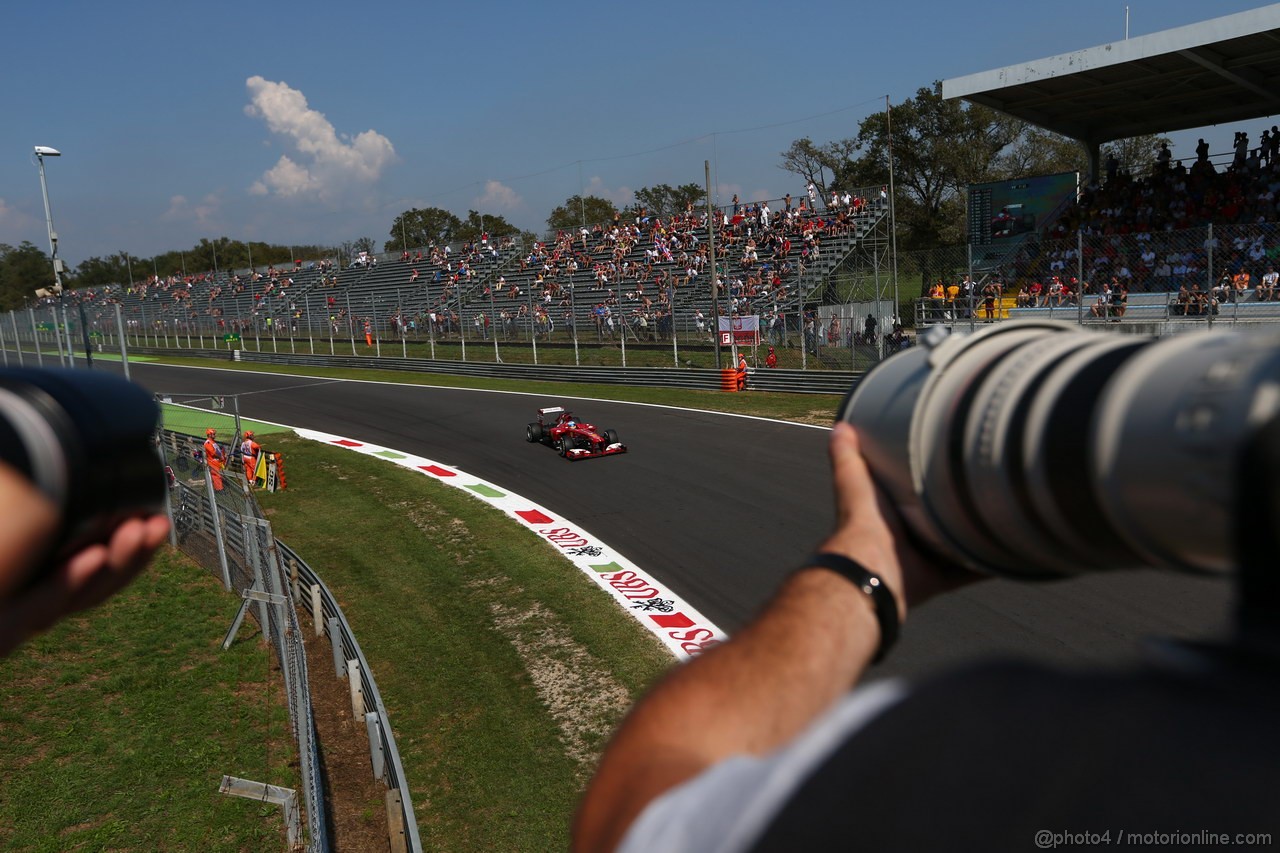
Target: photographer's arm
<point>27,523</point>
<point>763,687</point>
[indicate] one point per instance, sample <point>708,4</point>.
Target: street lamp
<point>43,151</point>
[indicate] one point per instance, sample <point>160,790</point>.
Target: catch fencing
<point>224,529</point>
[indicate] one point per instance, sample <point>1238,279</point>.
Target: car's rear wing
<point>554,410</point>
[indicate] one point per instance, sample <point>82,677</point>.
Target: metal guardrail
<point>344,640</point>
<point>786,381</point>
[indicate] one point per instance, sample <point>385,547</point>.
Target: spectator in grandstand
<point>990,296</point>
<point>938,292</point>
<point>1163,157</point>
<point>1120,302</point>
<point>1102,305</point>
<point>1241,146</point>
<point>1241,281</point>
<point>1222,292</point>
<point>1181,305</point>
<point>33,598</point>
<point>953,296</point>
<point>1024,298</point>
<point>1057,293</point>
<point>1267,285</point>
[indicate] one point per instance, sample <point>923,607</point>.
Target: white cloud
<point>325,164</point>
<point>621,197</point>
<point>498,195</point>
<point>13,220</point>
<point>204,213</point>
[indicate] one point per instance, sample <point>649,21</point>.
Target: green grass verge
<point>561,352</point>
<point>503,668</point>
<point>117,726</point>
<point>804,408</point>
<point>194,422</point>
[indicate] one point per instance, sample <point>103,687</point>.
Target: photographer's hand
<point>869,531</point>
<point>28,521</point>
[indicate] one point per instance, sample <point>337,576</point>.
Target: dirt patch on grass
<point>354,799</point>
<point>581,695</point>
<point>820,417</point>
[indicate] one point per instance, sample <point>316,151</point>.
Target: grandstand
<point>641,280</point>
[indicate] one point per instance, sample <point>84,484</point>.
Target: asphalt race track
<point>719,508</point>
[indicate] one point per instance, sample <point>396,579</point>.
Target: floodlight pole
<point>893,222</point>
<point>41,152</point>
<point>711,252</point>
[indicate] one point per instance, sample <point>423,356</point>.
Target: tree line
<point>940,147</point>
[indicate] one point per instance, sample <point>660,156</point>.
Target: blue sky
<point>320,122</point>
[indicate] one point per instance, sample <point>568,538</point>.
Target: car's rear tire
<point>610,436</point>
<point>534,433</point>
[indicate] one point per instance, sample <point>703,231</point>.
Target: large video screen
<point>1003,210</point>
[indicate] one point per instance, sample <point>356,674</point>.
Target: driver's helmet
<point>570,422</point>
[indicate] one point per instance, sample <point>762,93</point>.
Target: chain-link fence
<point>1223,272</point>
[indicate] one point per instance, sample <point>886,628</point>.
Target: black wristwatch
<point>870,583</point>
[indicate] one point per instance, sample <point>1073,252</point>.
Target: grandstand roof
<point>1223,70</point>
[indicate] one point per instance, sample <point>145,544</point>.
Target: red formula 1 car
<point>575,439</point>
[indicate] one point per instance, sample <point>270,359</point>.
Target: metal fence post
<point>35,337</point>
<point>217,526</point>
<point>335,642</point>
<point>252,555</point>
<point>376,756</point>
<point>13,319</point>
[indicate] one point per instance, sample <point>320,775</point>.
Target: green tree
<point>22,271</point>
<point>96,272</point>
<point>1135,155</point>
<point>578,211</point>
<point>664,200</point>
<point>418,228</point>
<point>1041,152</point>
<point>812,162</point>
<point>478,223</point>
<point>939,148</point>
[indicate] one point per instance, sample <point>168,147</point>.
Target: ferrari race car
<point>575,439</point>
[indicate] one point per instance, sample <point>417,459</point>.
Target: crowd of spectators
<point>1144,233</point>
<point>628,274</point>
<point>622,278</point>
